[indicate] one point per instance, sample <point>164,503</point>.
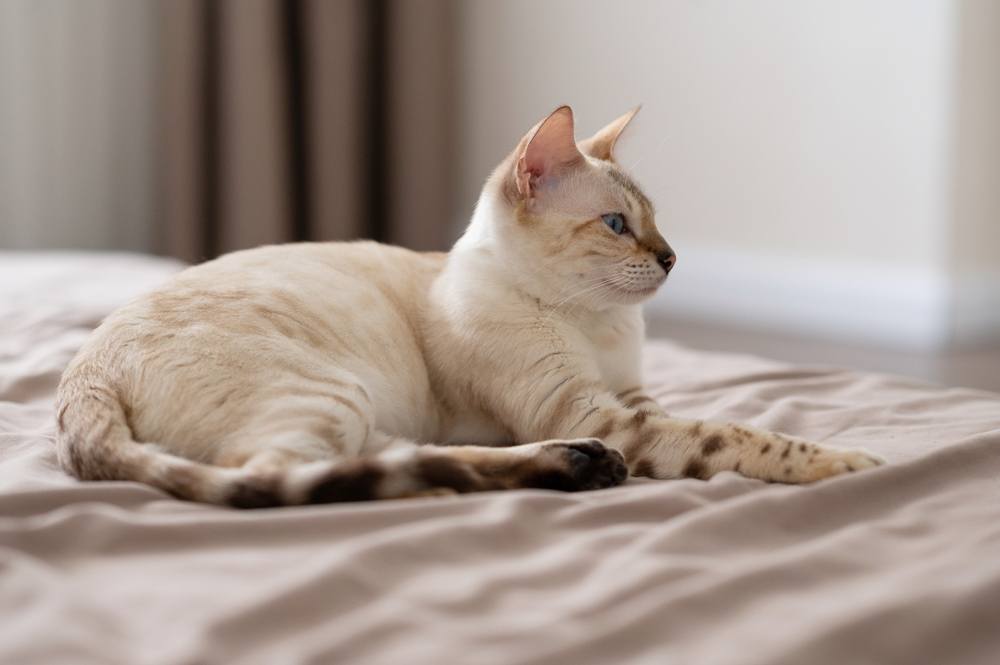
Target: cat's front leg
<point>659,446</point>
<point>671,448</point>
<point>564,397</point>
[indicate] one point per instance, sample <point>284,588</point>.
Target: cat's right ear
<point>547,150</point>
<point>602,144</point>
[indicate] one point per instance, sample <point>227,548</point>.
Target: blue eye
<point>615,222</point>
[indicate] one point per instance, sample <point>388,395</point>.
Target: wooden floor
<point>973,368</point>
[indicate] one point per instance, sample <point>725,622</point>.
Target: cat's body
<point>310,373</point>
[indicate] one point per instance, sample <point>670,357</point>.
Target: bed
<point>897,565</point>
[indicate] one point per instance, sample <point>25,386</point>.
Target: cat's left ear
<point>547,150</point>
<point>602,144</point>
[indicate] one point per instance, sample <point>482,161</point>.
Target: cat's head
<point>577,227</point>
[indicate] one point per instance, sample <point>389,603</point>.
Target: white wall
<point>77,104</point>
<point>801,153</point>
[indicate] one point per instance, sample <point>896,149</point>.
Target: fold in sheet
<point>896,565</point>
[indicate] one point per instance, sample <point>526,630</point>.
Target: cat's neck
<point>479,234</point>
<point>479,257</point>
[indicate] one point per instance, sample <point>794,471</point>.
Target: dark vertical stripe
<point>376,117</point>
<point>297,119</point>
<point>210,138</point>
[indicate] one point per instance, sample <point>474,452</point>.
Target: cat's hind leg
<point>407,470</point>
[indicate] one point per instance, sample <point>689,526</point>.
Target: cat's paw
<point>828,462</point>
<point>574,465</point>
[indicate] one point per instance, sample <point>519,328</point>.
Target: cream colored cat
<point>314,372</point>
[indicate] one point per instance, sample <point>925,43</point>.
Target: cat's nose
<point>666,260</point>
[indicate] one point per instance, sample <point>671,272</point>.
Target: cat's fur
<point>311,373</point>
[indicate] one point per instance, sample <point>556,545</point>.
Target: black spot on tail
<point>355,481</point>
<point>248,495</point>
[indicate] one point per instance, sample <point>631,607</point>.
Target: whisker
<point>659,146</point>
<point>602,286</point>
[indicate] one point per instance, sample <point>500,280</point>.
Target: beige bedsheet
<point>898,565</point>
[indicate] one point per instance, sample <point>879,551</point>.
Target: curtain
<point>78,128</point>
<point>304,120</point>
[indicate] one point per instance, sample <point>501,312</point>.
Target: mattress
<point>896,565</point>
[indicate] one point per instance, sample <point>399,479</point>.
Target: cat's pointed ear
<point>602,144</point>
<point>547,149</point>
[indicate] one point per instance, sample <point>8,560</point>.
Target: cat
<point>318,372</point>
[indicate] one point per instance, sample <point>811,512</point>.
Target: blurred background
<point>828,172</point>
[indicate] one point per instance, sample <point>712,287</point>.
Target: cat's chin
<point>635,296</point>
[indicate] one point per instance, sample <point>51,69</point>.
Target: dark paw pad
<point>576,466</point>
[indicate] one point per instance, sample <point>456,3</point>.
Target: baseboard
<point>975,309</point>
<point>915,309</point>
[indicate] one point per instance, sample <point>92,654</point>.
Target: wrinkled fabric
<point>896,565</point>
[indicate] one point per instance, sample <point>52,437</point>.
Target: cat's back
<point>332,275</point>
<point>336,264</point>
<point>291,289</point>
<point>294,298</point>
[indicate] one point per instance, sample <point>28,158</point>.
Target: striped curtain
<point>304,120</point>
